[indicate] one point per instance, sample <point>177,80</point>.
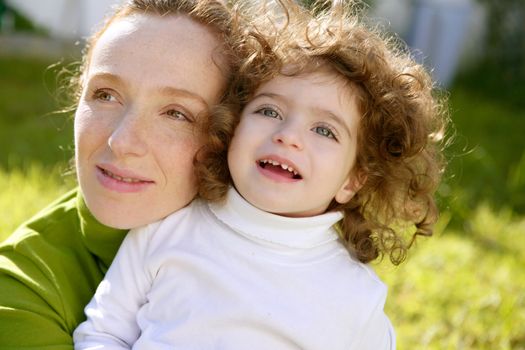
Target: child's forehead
<point>313,75</point>
<point>315,91</point>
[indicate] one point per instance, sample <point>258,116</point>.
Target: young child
<point>334,157</point>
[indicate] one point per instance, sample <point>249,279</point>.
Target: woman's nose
<point>289,134</point>
<point>128,136</point>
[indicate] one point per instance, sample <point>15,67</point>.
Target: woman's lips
<point>122,181</point>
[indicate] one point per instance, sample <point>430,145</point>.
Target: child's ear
<point>353,183</point>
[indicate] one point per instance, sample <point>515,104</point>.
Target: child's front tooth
<point>284,166</point>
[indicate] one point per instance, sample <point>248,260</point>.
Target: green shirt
<point>49,270</point>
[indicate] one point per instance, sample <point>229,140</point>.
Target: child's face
<point>307,123</point>
<point>150,79</point>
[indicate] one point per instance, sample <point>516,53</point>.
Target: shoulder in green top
<point>49,270</point>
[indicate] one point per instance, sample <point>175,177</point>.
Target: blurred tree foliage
<point>12,20</point>
<point>501,73</point>
<point>500,76</point>
<point>506,37</point>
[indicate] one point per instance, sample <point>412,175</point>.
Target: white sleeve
<point>378,334</point>
<point>111,314</point>
<point>383,337</point>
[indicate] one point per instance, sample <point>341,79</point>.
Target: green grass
<point>30,129</point>
<point>26,191</point>
<point>36,143</point>
<point>464,288</point>
<point>488,153</point>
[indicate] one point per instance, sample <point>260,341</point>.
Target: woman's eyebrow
<point>165,90</point>
<point>112,78</point>
<point>174,91</point>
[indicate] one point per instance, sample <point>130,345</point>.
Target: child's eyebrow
<point>320,111</point>
<point>336,118</point>
<point>268,94</point>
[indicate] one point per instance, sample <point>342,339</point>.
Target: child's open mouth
<point>279,169</point>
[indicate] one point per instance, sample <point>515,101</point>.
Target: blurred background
<point>463,288</point>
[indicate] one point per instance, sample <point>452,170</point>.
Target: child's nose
<point>127,137</point>
<point>289,135</point>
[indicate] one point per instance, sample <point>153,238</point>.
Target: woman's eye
<point>104,96</point>
<point>269,112</point>
<point>178,115</point>
<point>324,131</point>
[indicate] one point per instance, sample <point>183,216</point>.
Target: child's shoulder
<point>194,210</point>
<point>359,295</point>
<point>362,277</point>
<point>370,274</point>
<point>174,225</point>
<point>189,215</point>
<point>368,293</point>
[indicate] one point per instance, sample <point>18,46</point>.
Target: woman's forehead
<point>148,50</point>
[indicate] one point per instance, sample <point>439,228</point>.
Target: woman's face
<point>149,81</point>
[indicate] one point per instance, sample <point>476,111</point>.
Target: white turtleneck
<point>230,276</point>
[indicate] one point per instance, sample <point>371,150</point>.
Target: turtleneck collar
<point>253,223</point>
<point>101,240</point>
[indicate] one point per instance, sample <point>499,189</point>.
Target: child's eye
<point>324,131</point>
<point>269,112</point>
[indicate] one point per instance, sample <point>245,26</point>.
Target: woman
<point>148,81</point>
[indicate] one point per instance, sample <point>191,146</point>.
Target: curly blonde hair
<point>401,131</point>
